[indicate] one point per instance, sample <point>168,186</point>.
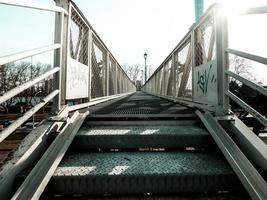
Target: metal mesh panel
<point>98,84</point>
<point>184,72</point>
<point>112,77</point>
<point>78,38</point>
<point>205,42</point>
<point>161,79</point>
<point>119,85</point>
<point>169,84</point>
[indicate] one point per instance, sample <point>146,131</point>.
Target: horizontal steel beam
<point>256,10</point>
<point>34,5</point>
<point>96,101</point>
<point>29,149</point>
<point>249,56</point>
<point>253,146</point>
<point>254,86</point>
<point>13,92</point>
<point>248,108</point>
<point>25,54</point>
<point>7,131</point>
<point>36,181</point>
<point>246,172</point>
<point>186,102</point>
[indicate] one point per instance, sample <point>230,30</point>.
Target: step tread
<point>143,163</point>
<point>127,137</point>
<point>142,130</point>
<point>142,172</point>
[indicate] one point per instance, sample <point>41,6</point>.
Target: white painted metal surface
<point>34,5</point>
<point>205,83</point>
<point>18,56</point>
<point>77,82</point>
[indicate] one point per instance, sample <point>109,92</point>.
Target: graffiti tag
<point>203,80</point>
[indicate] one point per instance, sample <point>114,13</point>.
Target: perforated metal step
<point>180,136</point>
<point>143,104</point>
<point>142,172</point>
<point>153,197</point>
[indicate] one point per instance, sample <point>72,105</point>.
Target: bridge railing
<point>197,71</point>
<point>84,70</point>
<point>106,76</point>
<point>254,89</point>
<point>4,61</point>
<point>176,76</point>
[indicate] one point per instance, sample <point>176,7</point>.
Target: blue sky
<point>128,27</point>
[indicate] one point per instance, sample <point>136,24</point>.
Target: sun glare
<point>232,8</point>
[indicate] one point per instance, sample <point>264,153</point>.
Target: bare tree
<point>132,71</point>
<point>241,67</point>
<point>15,74</point>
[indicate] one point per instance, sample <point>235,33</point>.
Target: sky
<point>129,28</point>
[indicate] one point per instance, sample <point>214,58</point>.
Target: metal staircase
<point>133,157</point>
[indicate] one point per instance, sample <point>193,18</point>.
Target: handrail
<point>254,86</point>
<point>7,131</point>
<point>25,54</point>
<point>248,108</point>
<point>34,5</point>
<point>259,59</point>
<point>13,92</point>
<point>246,172</point>
<point>96,101</point>
<point>256,10</point>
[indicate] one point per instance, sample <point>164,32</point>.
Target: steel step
<point>141,136</point>
<point>142,172</point>
<point>226,196</point>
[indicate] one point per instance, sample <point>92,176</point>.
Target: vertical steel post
<point>173,70</point>
<point>60,55</point>
<point>193,54</point>
<point>116,78</point>
<point>90,47</point>
<point>221,34</point>
<point>107,74</point>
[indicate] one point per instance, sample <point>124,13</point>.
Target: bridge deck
<point>140,105</point>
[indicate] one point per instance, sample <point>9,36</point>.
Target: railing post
<point>90,47</point>
<point>107,74</point>
<point>60,56</point>
<point>116,78</point>
<point>193,54</point>
<point>164,79</point>
<point>173,75</point>
<point>221,33</point>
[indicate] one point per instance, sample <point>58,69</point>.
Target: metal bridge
<point>176,139</point>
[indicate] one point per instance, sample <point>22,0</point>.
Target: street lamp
<point>35,103</point>
<point>145,56</point>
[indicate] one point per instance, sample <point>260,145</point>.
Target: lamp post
<point>145,56</point>
<point>35,103</point>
